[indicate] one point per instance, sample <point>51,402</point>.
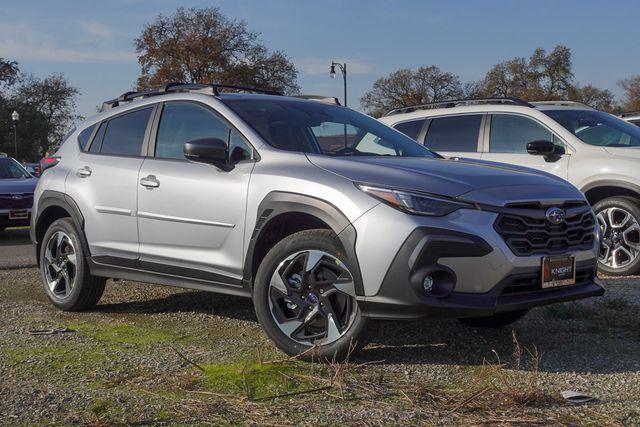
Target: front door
<point>507,143</point>
<point>191,215</point>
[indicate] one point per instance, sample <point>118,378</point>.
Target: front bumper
<point>488,277</point>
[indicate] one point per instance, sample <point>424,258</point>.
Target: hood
<point>466,179</point>
<point>27,185</point>
<point>631,152</point>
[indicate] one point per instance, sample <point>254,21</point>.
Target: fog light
<point>427,284</point>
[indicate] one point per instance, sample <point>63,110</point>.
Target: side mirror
<point>541,148</point>
<point>208,150</point>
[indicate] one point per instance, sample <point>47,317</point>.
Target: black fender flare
<point>611,183</point>
<point>51,198</point>
<point>278,202</point>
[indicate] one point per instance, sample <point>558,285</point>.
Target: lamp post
<point>343,69</point>
<point>15,116</point>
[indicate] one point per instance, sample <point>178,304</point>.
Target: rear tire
<point>65,273</point>
<point>619,220</point>
<point>304,297</point>
<point>496,321</point>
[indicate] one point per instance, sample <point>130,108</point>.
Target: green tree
<point>204,46</point>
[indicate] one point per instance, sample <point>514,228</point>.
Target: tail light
<point>48,162</point>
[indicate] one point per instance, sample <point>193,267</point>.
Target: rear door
<point>191,215</point>
<point>454,136</point>
<point>507,141</point>
<point>104,184</point>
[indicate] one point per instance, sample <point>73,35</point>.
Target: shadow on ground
<point>597,335</point>
<point>14,236</point>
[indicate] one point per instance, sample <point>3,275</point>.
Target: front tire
<point>496,321</point>
<point>304,297</point>
<point>65,273</point>
<point>619,220</point>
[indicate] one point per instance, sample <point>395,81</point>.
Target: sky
<point>91,42</point>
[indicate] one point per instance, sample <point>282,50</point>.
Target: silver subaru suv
<point>324,216</point>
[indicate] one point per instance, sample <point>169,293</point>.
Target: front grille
<point>533,282</point>
<point>526,230</point>
<point>9,201</point>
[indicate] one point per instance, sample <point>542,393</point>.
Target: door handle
<point>150,182</point>
<point>84,172</point>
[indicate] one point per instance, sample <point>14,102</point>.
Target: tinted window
<point>97,140</point>
<point>124,134</point>
<point>636,122</point>
<point>238,148</point>
<point>9,169</point>
<point>511,134</point>
<point>184,122</point>
<point>83,137</point>
<point>459,133</point>
<point>314,127</point>
<point>597,128</point>
<point>411,129</point>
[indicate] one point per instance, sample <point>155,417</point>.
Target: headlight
<point>414,203</point>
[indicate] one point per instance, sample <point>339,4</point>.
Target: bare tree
<point>204,46</point>
<point>631,94</point>
<point>600,99</point>
<point>406,87</point>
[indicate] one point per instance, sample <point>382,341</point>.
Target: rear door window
<point>411,128</point>
<point>454,133</point>
<point>124,135</point>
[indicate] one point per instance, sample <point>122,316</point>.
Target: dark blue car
<point>16,194</point>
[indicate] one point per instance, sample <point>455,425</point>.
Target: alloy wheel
<point>60,264</point>
<point>312,297</point>
<point>620,244</point>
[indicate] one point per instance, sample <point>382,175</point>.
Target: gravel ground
<point>159,355</point>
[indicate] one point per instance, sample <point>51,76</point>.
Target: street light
<point>343,69</point>
<point>15,116</point>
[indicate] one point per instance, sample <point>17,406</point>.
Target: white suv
<point>632,117</point>
<point>593,150</point>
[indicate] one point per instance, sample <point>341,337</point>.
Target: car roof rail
<point>208,88</point>
<point>459,103</point>
<point>320,98</point>
<point>561,104</point>
<point>630,113</point>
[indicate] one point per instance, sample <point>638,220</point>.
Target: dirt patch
<point>159,355</point>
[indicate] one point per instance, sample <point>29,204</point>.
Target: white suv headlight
<point>414,203</point>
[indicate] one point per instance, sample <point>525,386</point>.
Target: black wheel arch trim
<point>51,198</point>
<point>611,183</point>
<point>279,202</point>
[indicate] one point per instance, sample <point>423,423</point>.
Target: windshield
<point>597,128</point>
<point>314,127</point>
<point>10,169</point>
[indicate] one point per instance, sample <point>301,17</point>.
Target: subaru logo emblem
<point>16,196</point>
<point>555,215</point>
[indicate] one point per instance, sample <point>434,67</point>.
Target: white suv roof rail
<point>460,102</point>
<point>320,98</point>
<point>561,104</point>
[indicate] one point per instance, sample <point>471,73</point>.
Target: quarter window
<point>411,128</point>
<point>124,134</point>
<point>511,134</point>
<point>83,137</point>
<point>183,122</point>
<point>454,133</point>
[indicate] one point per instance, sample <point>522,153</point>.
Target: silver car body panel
<point>203,218</point>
